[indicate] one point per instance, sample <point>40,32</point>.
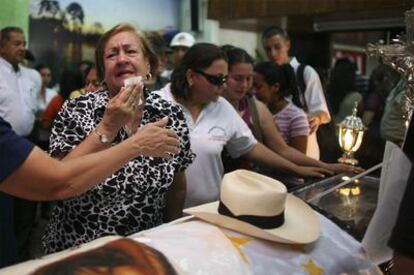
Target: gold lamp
<point>351,131</point>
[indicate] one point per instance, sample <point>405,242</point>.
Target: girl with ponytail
<point>273,83</point>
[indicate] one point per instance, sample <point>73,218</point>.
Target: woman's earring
<point>148,76</point>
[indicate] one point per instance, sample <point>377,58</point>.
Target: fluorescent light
<point>359,24</point>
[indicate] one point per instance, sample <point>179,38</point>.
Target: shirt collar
<point>293,61</point>
<point>9,66</point>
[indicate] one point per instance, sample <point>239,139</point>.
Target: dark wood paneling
<point>237,9</point>
<point>255,15</point>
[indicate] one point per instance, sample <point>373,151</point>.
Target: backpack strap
<point>255,117</point>
<point>300,81</point>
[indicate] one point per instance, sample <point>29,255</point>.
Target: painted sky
<point>145,14</point>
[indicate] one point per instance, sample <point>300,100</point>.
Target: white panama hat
<point>182,39</point>
<point>260,206</point>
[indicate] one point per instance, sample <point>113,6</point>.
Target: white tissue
<point>132,80</point>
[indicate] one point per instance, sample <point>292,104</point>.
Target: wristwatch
<point>102,137</point>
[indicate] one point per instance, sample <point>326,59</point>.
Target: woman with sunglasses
<point>196,86</point>
<point>147,190</point>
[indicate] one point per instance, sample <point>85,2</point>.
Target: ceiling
<point>309,15</point>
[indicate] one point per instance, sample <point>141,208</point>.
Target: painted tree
<point>75,19</point>
<point>49,8</point>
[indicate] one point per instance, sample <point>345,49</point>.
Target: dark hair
<point>88,65</point>
<point>198,57</point>
<point>284,75</point>
<point>341,82</point>
<point>146,48</point>
<point>119,253</point>
<point>5,33</point>
<point>41,66</point>
<point>87,71</point>
<point>70,80</point>
<point>227,47</point>
<point>274,30</point>
<point>158,43</point>
<point>237,55</point>
<point>383,78</point>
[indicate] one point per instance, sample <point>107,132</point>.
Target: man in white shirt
<point>19,89</point>
<point>276,43</point>
<point>19,85</point>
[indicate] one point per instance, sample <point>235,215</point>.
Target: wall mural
<point>64,32</point>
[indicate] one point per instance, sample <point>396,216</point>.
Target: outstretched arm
<point>300,143</point>
<point>263,155</point>
<point>273,140</point>
<point>41,177</point>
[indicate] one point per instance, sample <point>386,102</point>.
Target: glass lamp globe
<point>351,132</point>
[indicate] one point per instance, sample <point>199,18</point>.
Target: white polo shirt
<point>18,94</point>
<point>217,126</point>
<point>315,100</point>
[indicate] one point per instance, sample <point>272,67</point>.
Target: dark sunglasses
<point>217,80</point>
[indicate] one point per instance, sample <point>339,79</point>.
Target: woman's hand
<point>153,140</point>
<point>313,172</point>
<point>123,107</point>
<point>341,168</point>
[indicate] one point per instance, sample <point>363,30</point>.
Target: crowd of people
<point>127,157</point>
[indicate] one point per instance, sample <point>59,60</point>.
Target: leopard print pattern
<point>130,200</point>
